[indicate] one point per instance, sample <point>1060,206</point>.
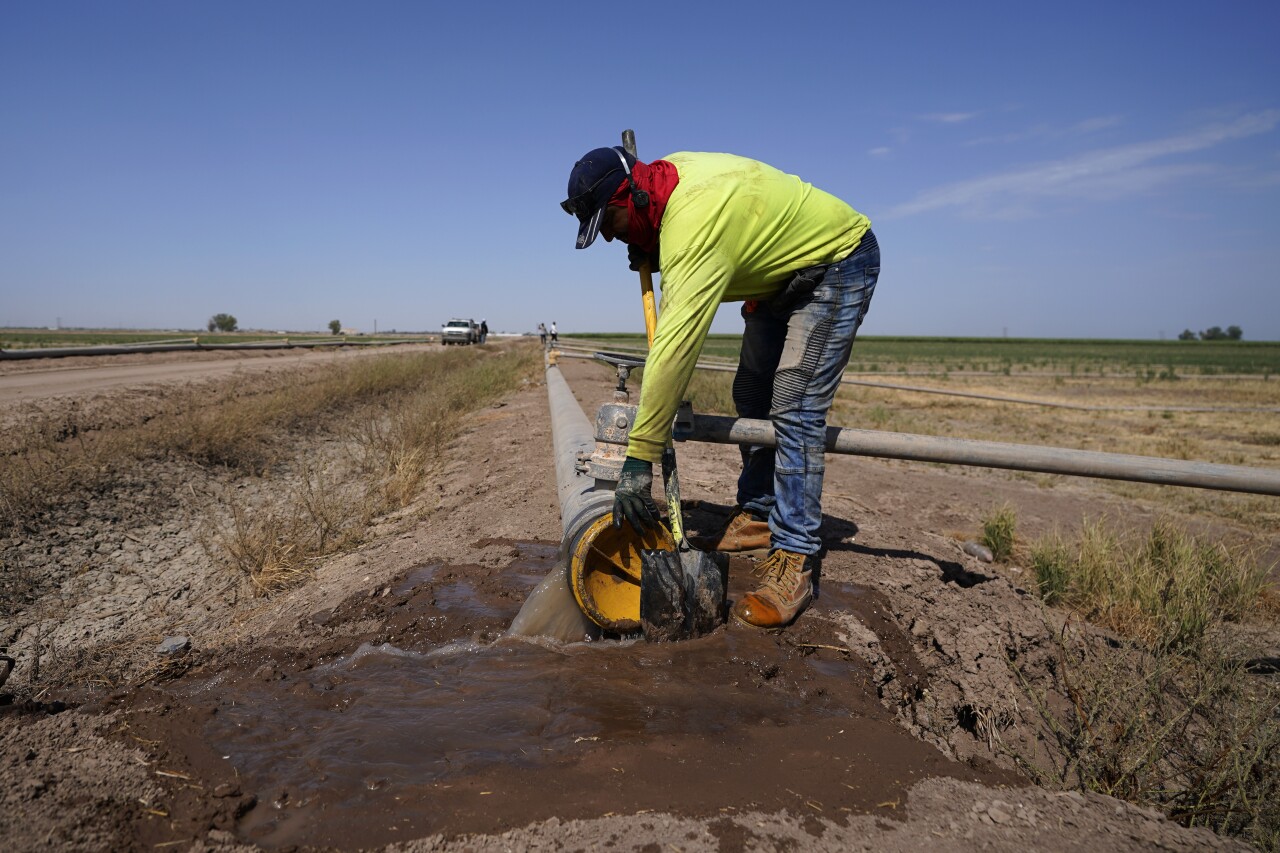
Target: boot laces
<point>738,520</point>
<point>776,568</point>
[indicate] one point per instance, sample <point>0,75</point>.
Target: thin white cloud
<point>1047,131</point>
<point>880,152</point>
<point>1039,131</point>
<point>1108,172</point>
<point>1092,125</point>
<point>949,118</point>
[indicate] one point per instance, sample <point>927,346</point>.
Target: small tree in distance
<point>1214,333</point>
<point>222,323</point>
<point>335,327</point>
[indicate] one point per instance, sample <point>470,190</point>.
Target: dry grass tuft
<point>277,543</point>
<point>1167,590</point>
<point>1178,717</point>
<point>1196,735</point>
<point>104,666</point>
<point>711,392</point>
<point>383,454</point>
<point>381,421</point>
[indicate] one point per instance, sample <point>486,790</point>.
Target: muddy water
<point>467,732</point>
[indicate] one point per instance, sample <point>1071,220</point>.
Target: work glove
<point>637,256</point>
<point>633,499</point>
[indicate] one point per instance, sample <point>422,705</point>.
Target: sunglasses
<point>584,204</point>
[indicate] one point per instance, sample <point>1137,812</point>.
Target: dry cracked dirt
<point>378,705</point>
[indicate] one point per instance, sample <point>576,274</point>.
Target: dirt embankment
<point>378,706</point>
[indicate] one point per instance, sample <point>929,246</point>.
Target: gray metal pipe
<point>994,454</point>
<point>126,349</point>
<point>552,609</point>
<point>581,498</point>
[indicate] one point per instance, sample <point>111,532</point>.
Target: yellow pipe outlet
<point>604,572</point>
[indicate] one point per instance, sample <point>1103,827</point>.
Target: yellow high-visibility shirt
<point>734,229</point>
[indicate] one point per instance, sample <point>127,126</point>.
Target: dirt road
<point>379,706</point>
<point>77,376</point>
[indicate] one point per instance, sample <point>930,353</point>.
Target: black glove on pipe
<point>633,499</point>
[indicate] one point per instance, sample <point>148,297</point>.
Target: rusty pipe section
<point>582,499</point>
<point>994,454</point>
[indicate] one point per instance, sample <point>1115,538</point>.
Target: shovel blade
<point>704,590</point>
<point>682,594</point>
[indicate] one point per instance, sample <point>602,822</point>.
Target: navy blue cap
<point>593,181</point>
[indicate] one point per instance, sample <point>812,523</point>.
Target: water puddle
<point>462,735</point>
<point>416,578</point>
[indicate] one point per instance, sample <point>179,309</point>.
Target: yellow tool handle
<point>671,480</point>
<point>646,271</point>
<point>650,307</point>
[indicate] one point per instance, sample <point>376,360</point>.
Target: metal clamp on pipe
<point>682,429</point>
<point>613,430</point>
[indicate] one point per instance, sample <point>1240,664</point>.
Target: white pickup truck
<point>460,332</point>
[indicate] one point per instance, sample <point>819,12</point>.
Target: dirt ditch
<point>381,706</point>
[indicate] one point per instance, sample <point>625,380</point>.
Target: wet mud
<point>438,723</point>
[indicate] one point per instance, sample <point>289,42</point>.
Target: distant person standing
<point>484,331</point>
<point>554,337</point>
<point>542,333</point>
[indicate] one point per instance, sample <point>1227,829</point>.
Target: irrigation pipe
<point>992,454</point>
<point>566,416</point>
<point>1024,401</point>
<point>571,436</point>
<point>188,344</point>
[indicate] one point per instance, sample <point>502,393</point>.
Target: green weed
<point>999,530</point>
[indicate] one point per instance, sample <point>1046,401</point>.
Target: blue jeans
<point>791,363</point>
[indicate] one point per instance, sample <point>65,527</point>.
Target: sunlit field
<point>1156,359</point>
<point>1196,400</point>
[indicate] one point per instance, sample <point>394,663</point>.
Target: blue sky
<point>1074,170</point>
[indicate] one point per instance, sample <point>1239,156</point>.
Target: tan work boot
<point>786,591</point>
<point>742,534</point>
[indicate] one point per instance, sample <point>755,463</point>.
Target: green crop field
<point>1073,356</point>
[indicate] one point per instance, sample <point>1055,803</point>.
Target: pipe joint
<point>613,431</point>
